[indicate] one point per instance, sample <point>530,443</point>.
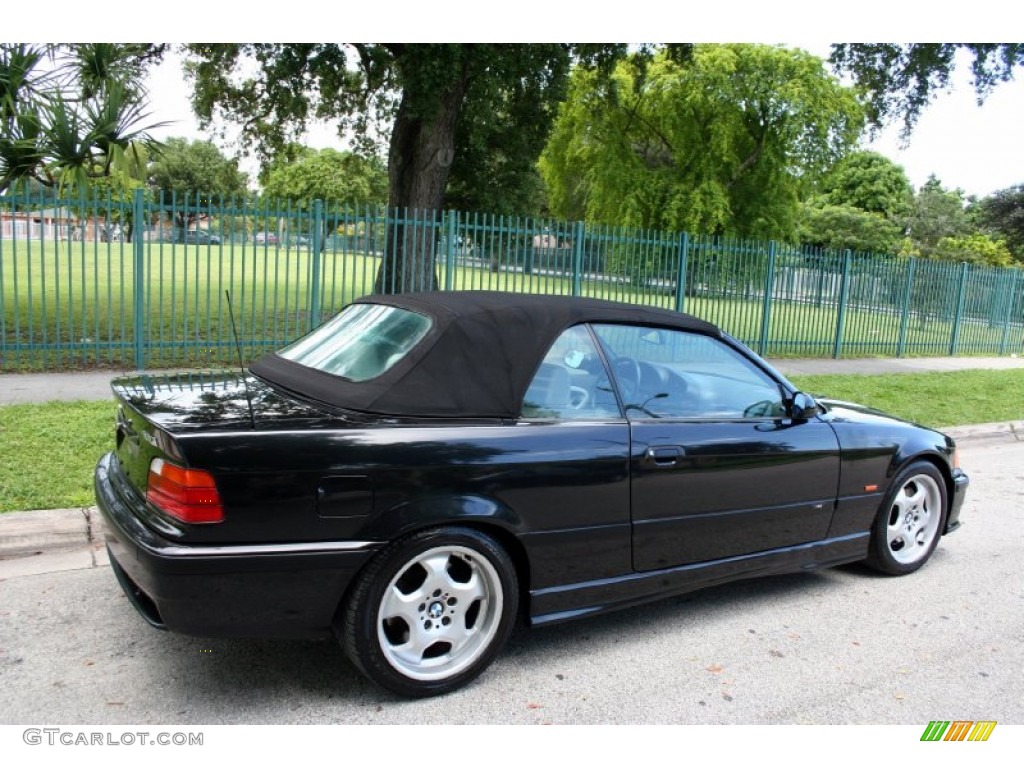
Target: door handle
<point>665,455</point>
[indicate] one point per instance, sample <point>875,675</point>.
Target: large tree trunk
<point>419,161</point>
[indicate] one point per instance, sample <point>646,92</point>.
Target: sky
<point>976,149</point>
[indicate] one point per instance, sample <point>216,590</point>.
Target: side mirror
<point>802,407</point>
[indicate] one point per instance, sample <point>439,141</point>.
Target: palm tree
<point>71,113</point>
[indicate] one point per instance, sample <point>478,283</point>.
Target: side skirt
<point>573,601</point>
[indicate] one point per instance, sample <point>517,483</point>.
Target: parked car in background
<point>196,237</point>
<point>265,238</point>
<point>422,469</point>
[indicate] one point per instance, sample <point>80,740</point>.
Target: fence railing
<point>133,283</point>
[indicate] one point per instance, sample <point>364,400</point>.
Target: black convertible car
<point>421,469</point>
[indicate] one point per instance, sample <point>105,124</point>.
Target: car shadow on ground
<point>692,609</point>
<point>315,673</point>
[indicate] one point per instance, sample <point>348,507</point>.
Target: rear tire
<point>910,521</point>
<point>431,612</point>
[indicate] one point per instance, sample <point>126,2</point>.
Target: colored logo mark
<point>958,730</point>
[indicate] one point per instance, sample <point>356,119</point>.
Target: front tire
<point>910,521</point>
<point>431,612</point>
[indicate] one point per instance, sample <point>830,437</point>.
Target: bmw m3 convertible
<point>421,470</point>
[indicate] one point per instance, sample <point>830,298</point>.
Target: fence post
<point>684,256</point>
<point>449,261</point>
<point>314,288</point>
<point>844,287</point>
<point>577,258</point>
<point>1009,312</point>
<point>905,320</point>
<point>766,303</point>
<point>820,259</point>
<point>998,293</point>
<point>955,338</point>
<point>139,253</point>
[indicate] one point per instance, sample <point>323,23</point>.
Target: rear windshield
<point>361,342</point>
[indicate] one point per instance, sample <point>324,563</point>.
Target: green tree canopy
<point>195,168</point>
<point>1002,214</point>
<point>863,205</point>
<point>838,227</point>
<point>305,175</point>
<point>72,113</point>
<point>478,111</point>
<point>975,248</point>
<point>938,213</point>
<point>900,79</point>
<point>870,182</point>
<point>728,143</point>
<point>193,174</point>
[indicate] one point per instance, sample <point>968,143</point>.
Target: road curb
<point>1009,430</point>
<point>45,531</point>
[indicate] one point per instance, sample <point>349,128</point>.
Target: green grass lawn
<point>934,399</point>
<point>48,451</point>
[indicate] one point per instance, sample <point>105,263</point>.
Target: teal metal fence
<point>135,283</point>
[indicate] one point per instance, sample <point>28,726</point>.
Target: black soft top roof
<point>478,358</point>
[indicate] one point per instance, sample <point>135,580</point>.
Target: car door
<point>717,467</point>
<point>571,448</point>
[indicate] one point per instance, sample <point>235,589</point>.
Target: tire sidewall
<point>880,557</point>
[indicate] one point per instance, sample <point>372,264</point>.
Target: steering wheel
<point>578,397</point>
<point>627,375</point>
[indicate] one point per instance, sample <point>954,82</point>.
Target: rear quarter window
<point>361,342</point>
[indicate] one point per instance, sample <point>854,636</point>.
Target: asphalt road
<point>833,647</point>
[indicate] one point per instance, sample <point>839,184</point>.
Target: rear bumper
<point>265,590</point>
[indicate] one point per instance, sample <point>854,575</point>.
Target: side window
<point>664,373</point>
<point>570,383</point>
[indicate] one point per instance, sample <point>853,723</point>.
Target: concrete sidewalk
<point>50,540</point>
<point>883,365</point>
<point>42,541</point>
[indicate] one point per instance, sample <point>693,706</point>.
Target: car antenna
<point>241,365</point>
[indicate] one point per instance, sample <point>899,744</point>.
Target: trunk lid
<point>188,402</point>
<point>155,412</point>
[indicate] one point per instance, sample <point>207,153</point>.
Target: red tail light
<point>190,495</point>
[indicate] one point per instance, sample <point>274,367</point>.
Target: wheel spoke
<point>895,527</point>
<point>922,527</point>
<point>411,651</point>
<point>397,605</point>
<point>915,497</point>
<point>456,635</point>
<point>469,591</point>
<point>437,573</point>
<point>897,543</point>
<point>911,545</point>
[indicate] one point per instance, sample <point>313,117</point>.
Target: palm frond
<point>96,67</point>
<point>118,120</point>
<point>21,151</point>
<point>22,82</point>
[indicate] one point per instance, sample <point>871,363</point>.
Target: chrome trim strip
<point>267,549</point>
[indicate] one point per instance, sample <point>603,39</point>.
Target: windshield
<point>361,342</point>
